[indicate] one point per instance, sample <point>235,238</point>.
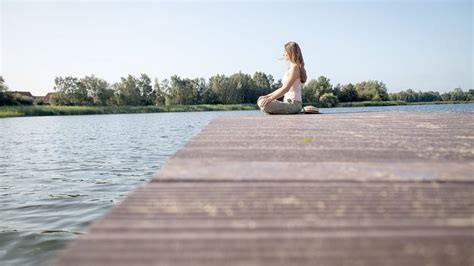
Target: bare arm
<point>293,75</point>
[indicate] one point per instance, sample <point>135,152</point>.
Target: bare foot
<point>311,110</point>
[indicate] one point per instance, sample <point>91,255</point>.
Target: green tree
<point>98,90</point>
<point>371,91</point>
<point>127,91</point>
<point>72,91</point>
<point>242,88</point>
<point>470,94</point>
<point>159,93</point>
<point>263,84</point>
<point>413,96</point>
<point>261,80</point>
<point>348,93</point>
<point>328,100</point>
<point>199,87</point>
<point>459,95</point>
<point>209,96</point>
<point>3,86</point>
<point>446,97</point>
<point>145,88</point>
<point>276,85</point>
<point>429,96</point>
<point>6,98</point>
<point>316,88</point>
<point>218,84</point>
<point>59,98</point>
<point>181,91</point>
<point>22,99</point>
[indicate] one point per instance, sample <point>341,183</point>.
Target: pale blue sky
<point>423,45</point>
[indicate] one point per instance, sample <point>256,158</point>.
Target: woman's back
<point>294,93</point>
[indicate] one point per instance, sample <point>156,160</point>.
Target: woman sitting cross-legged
<point>291,89</point>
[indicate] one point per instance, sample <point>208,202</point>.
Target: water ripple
<point>61,173</point>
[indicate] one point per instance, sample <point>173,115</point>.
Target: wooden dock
<point>333,189</point>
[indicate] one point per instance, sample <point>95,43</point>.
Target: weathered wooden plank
<point>218,169</point>
<point>302,204</point>
<point>274,248</point>
<point>340,189</point>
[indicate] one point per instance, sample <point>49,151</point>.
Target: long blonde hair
<point>295,55</point>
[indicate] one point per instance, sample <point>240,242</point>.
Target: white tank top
<point>295,90</point>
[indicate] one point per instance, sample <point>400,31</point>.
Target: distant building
<point>47,97</point>
<point>24,93</point>
<point>42,100</point>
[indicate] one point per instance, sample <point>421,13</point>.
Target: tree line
<point>238,88</point>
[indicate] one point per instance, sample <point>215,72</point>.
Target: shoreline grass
<point>395,103</point>
<point>39,110</point>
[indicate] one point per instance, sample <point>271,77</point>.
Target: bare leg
<point>259,102</point>
<point>311,109</point>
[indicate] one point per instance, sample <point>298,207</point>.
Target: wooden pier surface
<point>333,189</point>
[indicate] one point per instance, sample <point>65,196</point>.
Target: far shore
<point>41,110</point>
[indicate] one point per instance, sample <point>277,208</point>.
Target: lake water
<point>60,173</point>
